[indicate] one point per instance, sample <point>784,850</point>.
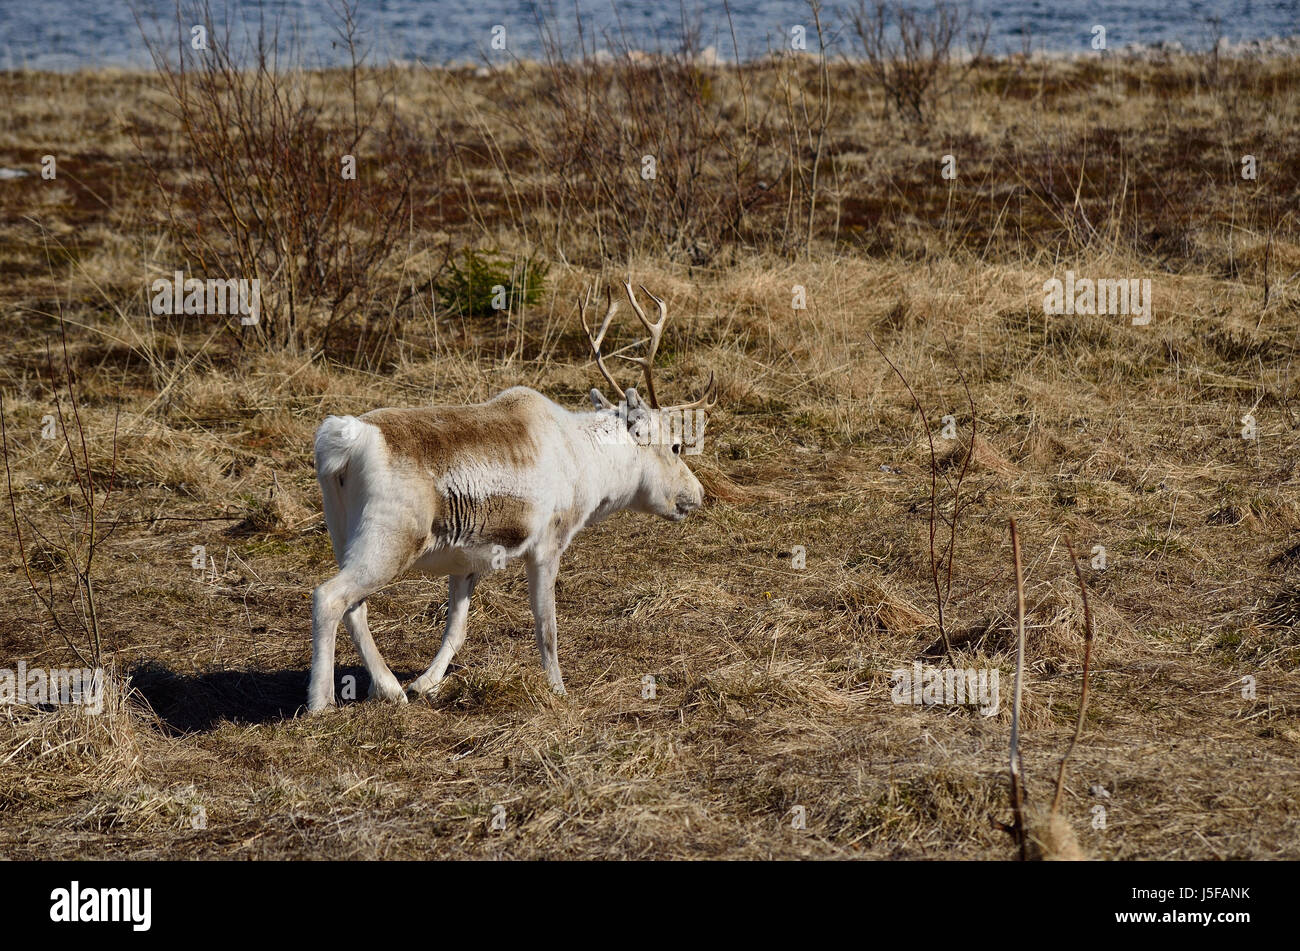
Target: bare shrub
<point>659,153</point>
<point>910,54</point>
<point>261,192</point>
<point>807,120</point>
<point>61,545</point>
<point>941,553</point>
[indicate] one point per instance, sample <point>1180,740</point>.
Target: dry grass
<point>772,682</point>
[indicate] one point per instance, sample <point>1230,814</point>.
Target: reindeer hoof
<point>393,693</point>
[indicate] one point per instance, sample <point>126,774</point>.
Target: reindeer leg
<point>459,589</point>
<point>361,577</point>
<point>383,685</point>
<point>541,593</point>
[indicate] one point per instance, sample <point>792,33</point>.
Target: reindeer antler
<point>656,330</point>
<point>708,399</point>
<point>596,340</point>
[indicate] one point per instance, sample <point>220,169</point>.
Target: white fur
<point>588,466</point>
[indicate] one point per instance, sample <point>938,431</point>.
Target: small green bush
<point>470,287</point>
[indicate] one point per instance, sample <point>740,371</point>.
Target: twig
<point>1017,792</point>
<point>22,550</point>
<point>1083,691</point>
<point>181,518</point>
<point>961,476</point>
<point>934,488</point>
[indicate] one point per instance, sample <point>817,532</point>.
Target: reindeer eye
<point>677,449</point>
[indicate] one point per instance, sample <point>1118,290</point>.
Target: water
<point>73,34</point>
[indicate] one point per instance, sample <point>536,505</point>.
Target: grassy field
<point>772,681</point>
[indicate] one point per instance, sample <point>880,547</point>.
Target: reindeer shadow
<point>201,702</point>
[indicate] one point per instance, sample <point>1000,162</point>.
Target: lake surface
<point>74,34</point>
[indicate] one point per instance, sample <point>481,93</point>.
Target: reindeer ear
<point>638,416</point>
<point>598,399</point>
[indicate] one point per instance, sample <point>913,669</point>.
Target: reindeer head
<point>662,435</point>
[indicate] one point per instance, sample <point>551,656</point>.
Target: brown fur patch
<point>565,522</point>
<point>496,520</point>
<point>501,430</point>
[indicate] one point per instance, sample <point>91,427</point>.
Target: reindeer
<point>462,490</point>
